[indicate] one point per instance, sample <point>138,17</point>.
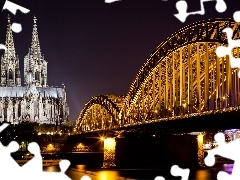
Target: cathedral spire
<point>10,52</point>
<point>34,61</point>
<point>9,61</point>
<point>35,45</point>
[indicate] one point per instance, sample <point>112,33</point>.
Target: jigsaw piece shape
<point>159,178</point>
<point>223,51</point>
<point>111,1</point>
<point>4,125</point>
<point>7,163</point>
<point>16,27</point>
<point>177,171</point>
<point>64,164</point>
<point>88,178</point>
<point>227,150</point>
<point>34,165</point>
<point>236,16</point>
<point>182,6</point>
<point>12,7</point>
<point>2,46</point>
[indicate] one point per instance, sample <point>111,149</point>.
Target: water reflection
<point>202,174</point>
<point>75,172</point>
<point>103,175</point>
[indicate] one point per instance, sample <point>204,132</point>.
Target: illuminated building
<point>35,101</point>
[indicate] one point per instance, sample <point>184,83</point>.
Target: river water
<point>75,172</point>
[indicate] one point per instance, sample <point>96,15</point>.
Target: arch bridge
<point>182,79</point>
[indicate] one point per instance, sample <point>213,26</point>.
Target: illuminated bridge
<point>182,84</point>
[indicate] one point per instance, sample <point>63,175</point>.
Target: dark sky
<point>97,48</point>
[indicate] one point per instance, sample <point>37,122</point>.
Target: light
<point>102,138</point>
<point>50,147</point>
<point>48,133</point>
<point>80,146</point>
<point>184,105</point>
<point>39,133</point>
<point>200,138</point>
<point>109,143</point>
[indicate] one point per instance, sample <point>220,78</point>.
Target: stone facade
<point>35,101</point>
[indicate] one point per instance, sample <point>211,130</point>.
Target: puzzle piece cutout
<point>12,7</point>
<point>85,178</point>
<point>182,9</point>
<point>223,51</point>
<point>9,168</point>
<point>3,126</point>
<point>177,171</point>
<point>111,1</point>
<point>227,150</point>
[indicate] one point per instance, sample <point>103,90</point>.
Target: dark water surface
<point>75,172</point>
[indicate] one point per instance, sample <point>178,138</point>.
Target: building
<point>35,101</point>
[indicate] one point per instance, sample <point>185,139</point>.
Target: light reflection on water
<point>75,172</point>
<point>202,174</point>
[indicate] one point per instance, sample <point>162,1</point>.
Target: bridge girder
<point>100,112</point>
<point>184,77</point>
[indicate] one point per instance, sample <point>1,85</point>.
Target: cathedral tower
<point>34,61</point>
<point>10,72</point>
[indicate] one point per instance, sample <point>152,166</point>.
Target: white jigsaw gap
<point>111,1</point>
<point>182,9</point>
<point>4,125</point>
<point>12,7</point>
<point>223,51</point>
<point>227,150</point>
<point>177,171</point>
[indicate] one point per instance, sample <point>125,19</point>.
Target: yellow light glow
<point>102,138</point>
<point>80,146</point>
<point>50,147</point>
<point>184,105</point>
<point>109,143</point>
<point>200,138</point>
<point>39,133</point>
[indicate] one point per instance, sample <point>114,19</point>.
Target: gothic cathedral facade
<point>35,101</point>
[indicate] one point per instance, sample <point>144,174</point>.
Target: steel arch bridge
<point>181,79</point>
<point>101,112</point>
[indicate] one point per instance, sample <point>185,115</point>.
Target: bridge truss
<point>182,78</point>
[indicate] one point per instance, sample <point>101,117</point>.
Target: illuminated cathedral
<point>35,101</point>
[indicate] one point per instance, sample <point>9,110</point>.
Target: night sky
<point>97,48</point>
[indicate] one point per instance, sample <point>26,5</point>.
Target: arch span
<point>183,77</point>
<point>100,112</point>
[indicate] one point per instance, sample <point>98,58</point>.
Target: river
<point>75,172</point>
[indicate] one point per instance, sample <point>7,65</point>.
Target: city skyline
<point>96,48</point>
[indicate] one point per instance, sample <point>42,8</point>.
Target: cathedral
<point>35,101</point>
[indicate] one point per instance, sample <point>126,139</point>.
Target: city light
<point>109,143</point>
<point>50,147</point>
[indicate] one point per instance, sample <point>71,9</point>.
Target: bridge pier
<point>200,150</point>
<point>109,153</point>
